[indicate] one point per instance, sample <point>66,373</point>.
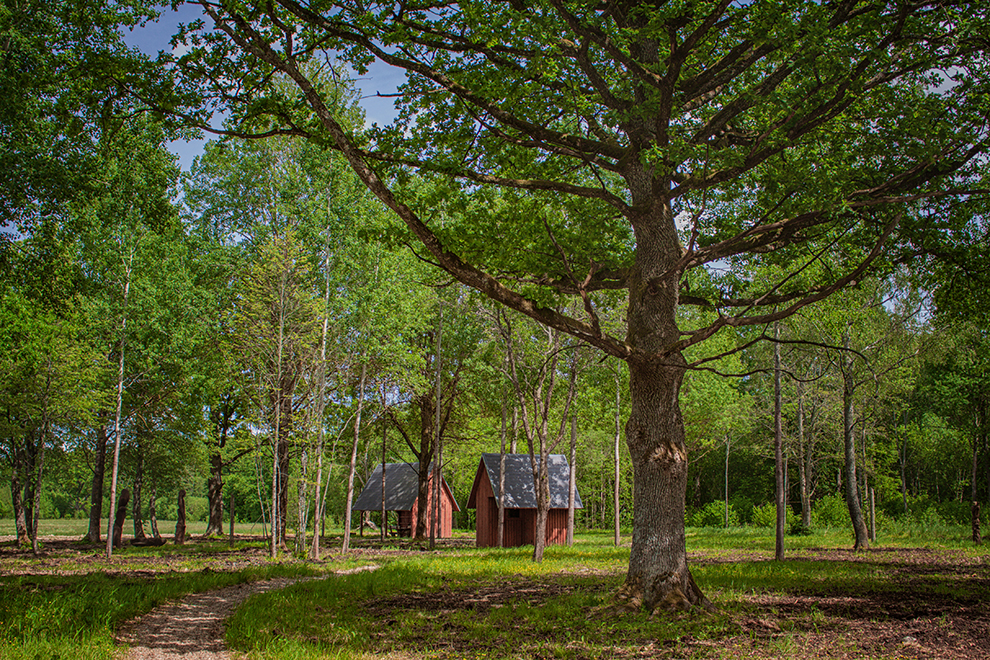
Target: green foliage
<point>830,512</point>
<point>765,516</point>
<point>713,515</point>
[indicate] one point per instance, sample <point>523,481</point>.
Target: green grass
<point>474,603</point>
<point>69,616</point>
<point>484,603</point>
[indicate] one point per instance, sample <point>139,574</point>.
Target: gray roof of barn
<point>519,491</point>
<point>401,488</point>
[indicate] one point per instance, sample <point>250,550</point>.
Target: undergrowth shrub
<point>829,511</point>
<point>766,516</point>
<point>713,515</point>
<point>744,507</point>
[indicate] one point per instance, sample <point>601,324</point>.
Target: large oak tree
<point>564,139</point>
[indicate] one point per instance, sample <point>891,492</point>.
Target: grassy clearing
<point>460,602</point>
<point>74,616</point>
<point>482,603</point>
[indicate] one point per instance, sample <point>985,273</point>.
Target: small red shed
<point>401,495</point>
<point>520,500</point>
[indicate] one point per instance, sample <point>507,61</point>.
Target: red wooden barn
<point>401,490</point>
<point>520,500</point>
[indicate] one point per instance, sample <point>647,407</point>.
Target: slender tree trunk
<point>849,445</point>
<point>37,472</point>
<point>726,485</point>
<point>973,497</point>
<point>136,516</point>
<point>180,522</point>
<point>353,465</point>
<point>302,502</point>
<point>436,422</point>
<point>903,465</point>
<point>153,511</point>
<point>115,465</point>
<point>426,404</point>
<point>285,428</point>
<point>21,523</point>
<point>96,486</point>
<point>803,462</point>
<point>778,450</point>
<point>384,477</point>
<point>572,482</point>
<point>214,495</point>
<point>616,474</point>
<point>120,518</point>
<point>500,499</point>
<point>321,400</point>
<point>542,504</point>
<point>438,489</point>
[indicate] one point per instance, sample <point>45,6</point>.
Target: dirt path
<point>193,628</point>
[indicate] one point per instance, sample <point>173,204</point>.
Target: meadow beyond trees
<point>749,238</point>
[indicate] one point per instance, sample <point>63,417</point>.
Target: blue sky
<point>154,37</point>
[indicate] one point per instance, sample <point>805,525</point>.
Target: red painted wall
<point>519,530</point>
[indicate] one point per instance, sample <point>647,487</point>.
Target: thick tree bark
<point>658,576</point>
<point>96,486</point>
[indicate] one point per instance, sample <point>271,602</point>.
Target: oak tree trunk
<point>658,576</point>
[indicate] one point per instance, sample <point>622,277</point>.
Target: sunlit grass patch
<point>74,616</point>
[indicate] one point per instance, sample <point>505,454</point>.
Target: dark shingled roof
<point>401,488</point>
<point>519,491</point>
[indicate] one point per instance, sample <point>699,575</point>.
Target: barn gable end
<point>520,500</point>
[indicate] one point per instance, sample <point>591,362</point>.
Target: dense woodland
<point>251,328</point>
